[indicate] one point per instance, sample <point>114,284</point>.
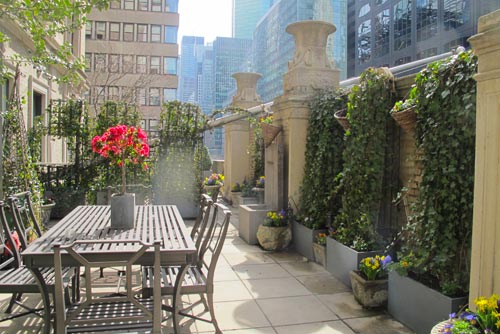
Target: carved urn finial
<point>246,94</point>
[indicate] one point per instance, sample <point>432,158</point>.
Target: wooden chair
<point>200,223</point>
<point>196,279</point>
<point>17,279</point>
<point>110,312</point>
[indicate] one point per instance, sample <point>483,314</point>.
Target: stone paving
<point>259,292</point>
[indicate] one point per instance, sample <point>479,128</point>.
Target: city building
<point>191,58</point>
<point>246,14</point>
<point>395,32</point>
<point>132,54</point>
<point>273,47</point>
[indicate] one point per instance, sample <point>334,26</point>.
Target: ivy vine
<point>439,234</point>
<point>362,178</point>
<point>324,147</point>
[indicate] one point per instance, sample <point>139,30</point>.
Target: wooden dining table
<point>92,222</point>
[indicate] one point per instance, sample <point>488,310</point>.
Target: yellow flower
<point>482,304</point>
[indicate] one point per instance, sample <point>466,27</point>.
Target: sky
<point>207,18</point>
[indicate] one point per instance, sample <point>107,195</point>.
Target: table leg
<point>44,292</point>
<point>177,298</point>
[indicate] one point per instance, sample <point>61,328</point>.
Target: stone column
<point>309,70</point>
<point>237,161</point>
<point>485,262</point>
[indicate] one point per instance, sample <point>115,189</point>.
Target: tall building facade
<point>273,47</point>
<point>395,32</point>
<point>131,53</point>
<point>246,14</point>
<point>192,48</point>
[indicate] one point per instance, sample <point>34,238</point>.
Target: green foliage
<point>257,148</point>
<point>439,234</point>
<point>362,178</point>
<point>324,147</point>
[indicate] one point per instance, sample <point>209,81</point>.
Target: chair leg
<point>16,296</point>
<point>204,301</point>
<point>210,297</point>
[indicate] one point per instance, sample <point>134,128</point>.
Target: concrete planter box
<point>246,200</point>
<point>235,198</point>
<point>418,306</point>
<point>340,259</point>
<point>251,217</point>
<point>303,239</point>
<point>370,294</point>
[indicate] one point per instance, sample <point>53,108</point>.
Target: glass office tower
<point>246,14</point>
<point>192,48</point>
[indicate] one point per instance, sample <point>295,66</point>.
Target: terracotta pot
<point>369,293</point>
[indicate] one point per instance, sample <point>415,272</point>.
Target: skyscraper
<point>192,48</point>
<point>246,14</point>
<point>395,32</point>
<point>273,47</point>
<point>131,53</point>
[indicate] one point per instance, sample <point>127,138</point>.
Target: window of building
<point>402,24</point>
<point>115,4</point>
<point>364,10</point>
<point>141,96</point>
<point>100,30</point>
<point>381,33</point>
<point>129,4</point>
<point>156,5</point>
<point>427,17</point>
<point>170,65</point>
<point>128,32</point>
<point>141,64</point>
<point>37,104</point>
<point>154,96</point>
<point>128,94</point>
<point>88,30</point>
<point>114,31</point>
<point>100,62</point>
<point>154,66</point>
<point>143,5</point>
<point>380,2</point>
<point>364,42</point>
<point>171,6</point>
<point>455,14</point>
<point>128,63</point>
<point>142,32</point>
<point>171,34</point>
<point>114,63</point>
<point>113,93</point>
<point>427,53</point>
<point>88,62</point>
<point>155,33</point>
<point>402,60</point>
<point>169,94</point>
<point>99,94</point>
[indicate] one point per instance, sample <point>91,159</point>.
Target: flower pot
<point>303,239</point>
<point>123,211</point>
<point>274,238</point>
<point>269,132</point>
<point>319,252</point>
<point>405,118</point>
<point>340,116</point>
<point>368,293</point>
<point>45,211</point>
<point>427,306</point>
<point>235,198</point>
<point>213,191</point>
<point>340,259</point>
<point>250,218</point>
<point>438,328</point>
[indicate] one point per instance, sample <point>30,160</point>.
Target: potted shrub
<point>274,233</point>
<point>212,185</point>
<point>319,249</point>
<point>247,195</point>
<point>369,283</point>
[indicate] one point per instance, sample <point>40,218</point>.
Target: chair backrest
<point>213,239</point>
<point>143,193</point>
<point>25,222</point>
<point>9,253</point>
<point>80,315</point>
<point>201,220</point>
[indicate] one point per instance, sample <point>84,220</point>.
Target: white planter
<point>123,211</point>
<point>251,216</point>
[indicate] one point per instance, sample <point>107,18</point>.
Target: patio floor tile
<point>381,324</point>
<point>230,291</point>
<point>248,258</point>
<point>329,327</point>
<point>257,271</point>
<point>345,306</point>
<point>275,287</point>
<point>295,310</point>
<point>303,268</point>
<point>323,284</point>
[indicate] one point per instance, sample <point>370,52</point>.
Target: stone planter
<point>319,252</point>
<point>45,211</point>
<point>245,200</point>
<point>123,211</point>
<point>369,294</point>
<point>235,198</point>
<point>340,259</point>
<point>259,194</point>
<point>427,306</point>
<point>303,239</point>
<point>213,191</point>
<point>250,218</point>
<point>274,238</point>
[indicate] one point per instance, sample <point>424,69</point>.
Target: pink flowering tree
<point>123,145</point>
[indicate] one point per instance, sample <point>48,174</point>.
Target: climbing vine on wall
<point>325,144</point>
<point>362,178</point>
<point>439,234</point>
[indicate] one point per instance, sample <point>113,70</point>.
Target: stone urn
<point>274,238</point>
<point>369,293</point>
<point>45,211</point>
